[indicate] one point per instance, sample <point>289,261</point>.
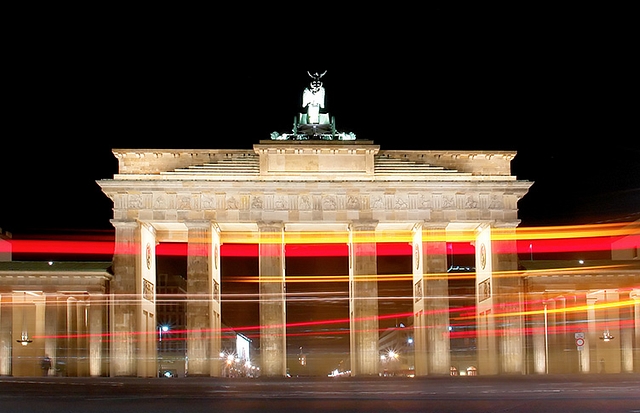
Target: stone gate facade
<point>350,187</point>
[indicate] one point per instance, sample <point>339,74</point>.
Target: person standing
<point>45,365</point>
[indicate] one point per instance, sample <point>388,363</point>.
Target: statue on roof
<point>315,123</point>
<point>313,98</point>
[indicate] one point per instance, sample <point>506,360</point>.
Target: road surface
<point>523,394</point>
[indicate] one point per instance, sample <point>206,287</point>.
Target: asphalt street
<point>523,394</point>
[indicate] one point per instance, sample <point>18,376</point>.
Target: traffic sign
<point>579,340</point>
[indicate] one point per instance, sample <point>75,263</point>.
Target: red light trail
<point>539,240</point>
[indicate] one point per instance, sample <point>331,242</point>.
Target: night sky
<point>552,84</point>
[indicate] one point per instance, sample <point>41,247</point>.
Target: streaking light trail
<point>597,237</point>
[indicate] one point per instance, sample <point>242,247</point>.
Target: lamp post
<point>546,341</point>
<point>161,329</point>
<point>388,360</point>
<point>228,359</point>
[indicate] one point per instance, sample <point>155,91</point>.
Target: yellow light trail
<point>497,234</point>
<point>594,269</point>
<point>578,308</point>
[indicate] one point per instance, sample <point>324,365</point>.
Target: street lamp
<point>161,329</point>
<point>228,358</point>
<point>606,336</point>
<point>24,339</point>
<point>387,359</point>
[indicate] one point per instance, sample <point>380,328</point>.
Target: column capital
<point>363,225</point>
<point>204,224</point>
<point>506,224</point>
<point>122,224</point>
<point>430,225</point>
<point>271,226</point>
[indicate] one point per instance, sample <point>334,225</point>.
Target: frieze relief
<point>470,203</point>
<point>353,202</point>
<point>135,201</point>
<point>308,202</point>
<point>238,202</point>
<point>448,202</point>
<point>208,201</point>
<point>377,201</point>
<point>160,202</point>
<point>496,202</point>
<point>423,202</point>
<point>466,201</point>
<point>281,202</point>
<point>305,203</point>
<point>256,202</point>
<point>400,203</point>
<point>184,202</point>
<point>329,203</point>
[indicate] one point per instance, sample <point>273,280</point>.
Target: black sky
<point>556,86</point>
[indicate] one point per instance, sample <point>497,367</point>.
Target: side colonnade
<point>54,311</point>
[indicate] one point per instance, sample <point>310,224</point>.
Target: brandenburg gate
<point>313,179</point>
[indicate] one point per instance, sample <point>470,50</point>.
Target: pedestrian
<point>45,365</point>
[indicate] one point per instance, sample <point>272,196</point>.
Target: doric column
<point>6,325</point>
<point>508,297</point>
<point>419,316</point>
<point>50,328</point>
<point>626,333</point>
<point>24,322</point>
<point>363,298</point>
<point>124,320</point>
<point>564,361</point>
<point>485,303</point>
<point>60,320</point>
<point>436,285</point>
<point>82,343</point>
<point>40,306</point>
<point>73,334</point>
<point>553,351</point>
<point>537,319</point>
<point>273,339</point>
<point>146,308</point>
<point>133,325</point>
<point>96,310</point>
<point>216,304</point>
<point>199,298</point>
<point>635,295</point>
